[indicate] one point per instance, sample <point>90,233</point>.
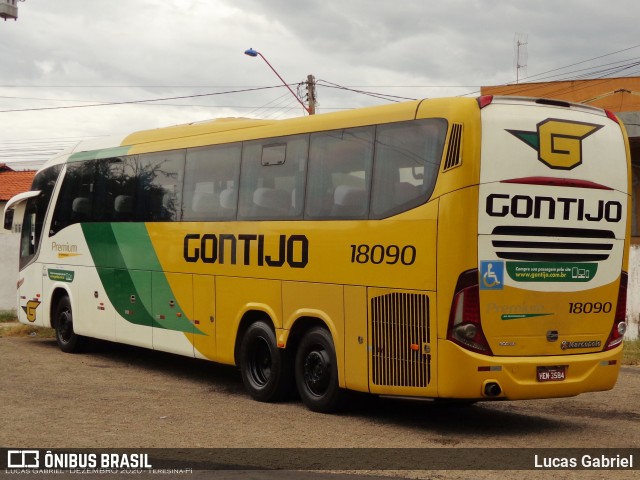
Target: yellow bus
<point>459,248</point>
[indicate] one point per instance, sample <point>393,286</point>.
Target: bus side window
<point>211,183</point>
<point>406,165</point>
<point>159,186</point>
<point>75,200</point>
<point>35,211</point>
<point>115,177</point>
<point>273,176</point>
<point>340,164</point>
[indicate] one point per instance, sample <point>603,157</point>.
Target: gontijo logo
<point>558,142</point>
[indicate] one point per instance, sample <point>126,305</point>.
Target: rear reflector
<point>492,368</point>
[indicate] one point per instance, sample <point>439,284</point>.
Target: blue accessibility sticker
<point>491,275</point>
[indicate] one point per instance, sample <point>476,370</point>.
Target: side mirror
<point>15,208</point>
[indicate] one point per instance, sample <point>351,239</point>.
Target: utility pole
<point>311,94</point>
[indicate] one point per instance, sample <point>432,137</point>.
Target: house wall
<point>9,268</point>
<point>633,295</point>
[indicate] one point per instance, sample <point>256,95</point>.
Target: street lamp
<point>254,53</point>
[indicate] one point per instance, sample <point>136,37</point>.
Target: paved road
<point>124,397</point>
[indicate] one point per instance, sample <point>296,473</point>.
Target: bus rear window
<point>406,164</point>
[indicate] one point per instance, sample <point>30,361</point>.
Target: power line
<point>581,62</point>
<point>570,75</point>
<point>136,102</point>
<point>383,96</point>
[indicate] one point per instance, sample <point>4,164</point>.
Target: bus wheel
<point>264,367</point>
<point>317,372</point>
<point>67,339</point>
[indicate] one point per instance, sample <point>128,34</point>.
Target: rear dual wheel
<point>317,372</point>
<point>265,371</point>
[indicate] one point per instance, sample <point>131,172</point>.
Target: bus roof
<point>228,130</point>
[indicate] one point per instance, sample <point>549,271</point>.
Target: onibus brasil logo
<point>558,142</point>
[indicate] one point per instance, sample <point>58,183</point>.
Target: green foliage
<point>8,316</point>
<point>631,352</point>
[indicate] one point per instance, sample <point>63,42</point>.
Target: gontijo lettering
<point>247,249</point>
<point>524,206</point>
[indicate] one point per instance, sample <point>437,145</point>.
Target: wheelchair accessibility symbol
<point>491,275</point>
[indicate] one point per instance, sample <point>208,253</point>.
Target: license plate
<point>552,374</point>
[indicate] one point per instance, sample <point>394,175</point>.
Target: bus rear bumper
<point>464,374</point>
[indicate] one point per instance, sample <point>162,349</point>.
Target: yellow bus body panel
<point>517,375</point>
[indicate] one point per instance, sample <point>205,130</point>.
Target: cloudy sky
<point>62,57</point>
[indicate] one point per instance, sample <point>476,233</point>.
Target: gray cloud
<point>170,43</point>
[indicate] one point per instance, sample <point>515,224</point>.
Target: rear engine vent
<point>552,244</point>
<point>400,339</point>
<point>454,152</point>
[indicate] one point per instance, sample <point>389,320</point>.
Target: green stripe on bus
<point>114,275</point>
<point>97,154</point>
<point>128,266</point>
<point>133,239</point>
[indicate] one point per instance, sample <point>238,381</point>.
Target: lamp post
<point>254,53</point>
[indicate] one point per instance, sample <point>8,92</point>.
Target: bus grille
<point>400,334</point>
<point>552,244</point>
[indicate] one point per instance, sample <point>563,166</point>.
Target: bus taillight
<point>465,328</point>
<point>619,323</point>
<point>484,100</point>
<point>612,116</point>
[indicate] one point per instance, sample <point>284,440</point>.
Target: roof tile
<point>12,183</point>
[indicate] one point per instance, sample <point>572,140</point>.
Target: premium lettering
<point>63,247</point>
<point>524,206</point>
<point>247,249</point>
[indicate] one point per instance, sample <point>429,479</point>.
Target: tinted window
<point>407,161</point>
<point>211,183</point>
<point>273,178</point>
<point>135,188</point>
<point>159,189</point>
<point>340,174</point>
<point>75,200</point>
<point>116,189</point>
<point>35,213</point>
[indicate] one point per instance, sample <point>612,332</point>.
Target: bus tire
<point>68,340</point>
<point>317,372</point>
<point>264,366</point>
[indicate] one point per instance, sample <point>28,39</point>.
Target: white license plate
<point>552,374</point>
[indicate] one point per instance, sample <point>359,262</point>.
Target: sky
<point>63,57</point>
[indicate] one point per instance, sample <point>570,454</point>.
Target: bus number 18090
<point>377,254</point>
